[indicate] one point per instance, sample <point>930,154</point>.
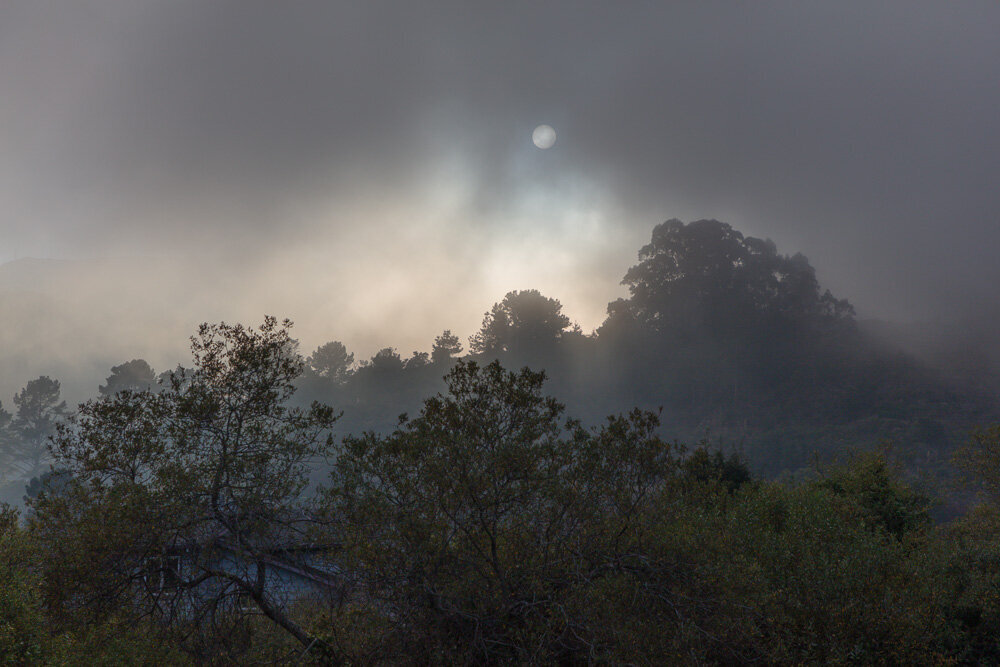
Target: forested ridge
<point>728,470</point>
<point>728,338</point>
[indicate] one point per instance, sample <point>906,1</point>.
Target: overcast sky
<point>367,168</point>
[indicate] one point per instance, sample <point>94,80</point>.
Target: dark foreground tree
<point>182,501</point>
<point>477,531</point>
<point>487,530</point>
<point>490,530</point>
<point>22,631</point>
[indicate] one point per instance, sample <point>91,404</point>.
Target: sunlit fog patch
<point>555,240</point>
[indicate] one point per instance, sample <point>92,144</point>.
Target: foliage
<point>706,275</point>
<point>446,347</point>
<point>332,360</point>
<point>52,481</point>
<point>979,461</point>
<point>22,629</point>
<point>728,336</point>
<point>474,520</point>
<point>384,362</point>
<point>877,496</point>
<point>707,466</point>
<point>491,528</point>
<point>418,360</point>
<point>39,410</point>
<point>524,319</point>
<point>135,375</point>
<point>212,467</point>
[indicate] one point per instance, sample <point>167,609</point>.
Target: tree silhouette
<point>213,467</point>
<point>418,360</point>
<point>447,346</point>
<point>481,520</point>
<point>707,277</point>
<point>135,374</point>
<point>39,409</point>
<point>386,360</point>
<point>332,360</point>
<point>523,321</point>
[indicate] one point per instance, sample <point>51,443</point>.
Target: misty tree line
<point>452,512</point>
<point>489,528</point>
<point>725,336</point>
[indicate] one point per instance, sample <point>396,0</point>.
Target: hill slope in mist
<point>730,339</point>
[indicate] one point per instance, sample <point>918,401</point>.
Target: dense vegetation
<point>490,526</point>
<point>724,336</point>
<point>730,339</point>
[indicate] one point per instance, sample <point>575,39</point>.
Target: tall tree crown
<point>523,319</point>
<point>706,274</point>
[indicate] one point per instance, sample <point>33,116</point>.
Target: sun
<point>544,136</point>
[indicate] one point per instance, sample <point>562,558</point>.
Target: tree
<point>979,461</point>
<point>23,632</point>
<point>8,445</point>
<point>476,529</point>
<point>135,374</point>
<point>706,276</point>
<point>39,410</point>
<point>385,361</point>
<point>877,495</point>
<point>332,360</point>
<point>418,360</point>
<point>210,470</point>
<point>51,481</point>
<point>706,466</point>
<point>523,321</point>
<point>446,347</point>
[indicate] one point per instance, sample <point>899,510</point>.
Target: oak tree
<point>183,501</point>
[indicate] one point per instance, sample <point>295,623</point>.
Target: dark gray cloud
<point>393,139</point>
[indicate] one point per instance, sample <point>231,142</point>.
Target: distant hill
<point>964,350</point>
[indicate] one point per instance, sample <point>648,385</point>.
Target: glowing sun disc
<point>544,136</point>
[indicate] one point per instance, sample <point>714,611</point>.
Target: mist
<point>622,332</point>
<point>368,170</point>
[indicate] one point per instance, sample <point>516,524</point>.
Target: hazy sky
<point>367,168</point>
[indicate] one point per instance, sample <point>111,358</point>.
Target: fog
<point>367,169</point>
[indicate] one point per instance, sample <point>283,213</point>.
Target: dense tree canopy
<point>385,362</point>
<point>446,347</point>
<point>477,520</point>
<point>213,466</point>
<point>705,276</point>
<point>331,360</point>
<point>489,528</point>
<point>39,410</point>
<point>523,320</point>
<point>135,374</point>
